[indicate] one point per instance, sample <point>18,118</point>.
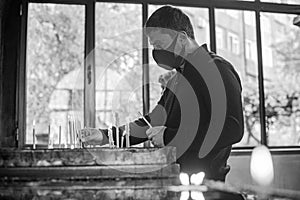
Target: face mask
<point>166,58</point>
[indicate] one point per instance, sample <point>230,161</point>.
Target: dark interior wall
<point>10,32</point>
<point>1,53</point>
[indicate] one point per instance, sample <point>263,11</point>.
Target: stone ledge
<point>89,172</point>
<point>86,157</point>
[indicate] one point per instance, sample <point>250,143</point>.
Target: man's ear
<point>183,37</point>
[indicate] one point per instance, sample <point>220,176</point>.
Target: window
<point>118,62</point>
<point>267,57</point>
<point>250,50</point>
<point>55,57</point>
<point>281,53</point>
<point>241,39</point>
<point>233,43</point>
<point>55,65</point>
<point>232,13</point>
<point>249,18</point>
<point>220,37</point>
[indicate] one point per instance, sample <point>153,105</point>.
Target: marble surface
<point>86,157</point>
<point>82,164</point>
<point>147,189</point>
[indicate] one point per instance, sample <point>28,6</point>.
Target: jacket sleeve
<point>233,129</point>
<point>138,128</point>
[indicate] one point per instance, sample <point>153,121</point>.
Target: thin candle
<point>59,136</point>
<point>110,138</point>
<point>33,135</point>
<point>74,133</point>
<point>116,119</point>
<point>70,133</point>
<point>79,127</point>
<point>50,139</point>
<point>127,134</point>
<point>122,140</point>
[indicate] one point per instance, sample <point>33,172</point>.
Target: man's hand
<point>156,135</point>
<point>91,136</point>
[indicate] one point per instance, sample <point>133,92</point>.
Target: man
<point>200,111</point>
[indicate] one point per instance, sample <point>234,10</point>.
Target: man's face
<point>160,40</point>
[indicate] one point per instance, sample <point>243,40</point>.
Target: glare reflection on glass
<point>197,195</point>
<point>185,195</point>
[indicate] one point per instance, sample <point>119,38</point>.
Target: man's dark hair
<point>170,18</point>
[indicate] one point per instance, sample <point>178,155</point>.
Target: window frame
<point>89,107</point>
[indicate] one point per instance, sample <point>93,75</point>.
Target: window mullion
<point>21,95</point>
<point>145,52</point>
<point>262,113</point>
<point>212,30</point>
<point>146,96</point>
<point>89,66</point>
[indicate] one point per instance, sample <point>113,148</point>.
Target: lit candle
<point>116,120</point>
<point>122,139</point>
<point>74,134</point>
<point>70,133</point>
<point>77,131</point>
<point>79,127</point>
<point>127,134</point>
<point>33,135</point>
<point>261,166</point>
<point>110,138</point>
<point>50,138</point>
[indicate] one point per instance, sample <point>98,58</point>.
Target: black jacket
<point>185,108</point>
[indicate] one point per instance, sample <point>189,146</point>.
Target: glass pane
<point>159,76</point>
<point>281,59</point>
<point>118,62</point>
<point>236,42</point>
<point>283,1</point>
<point>55,57</point>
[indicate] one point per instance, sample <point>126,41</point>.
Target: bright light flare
<point>185,195</point>
<point>261,166</point>
<point>197,179</point>
<point>197,195</point>
<point>184,178</point>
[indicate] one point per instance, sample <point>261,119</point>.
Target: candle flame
<point>261,166</point>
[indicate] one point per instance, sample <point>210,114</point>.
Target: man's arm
<point>138,128</point>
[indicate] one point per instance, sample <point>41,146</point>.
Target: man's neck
<point>191,47</point>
